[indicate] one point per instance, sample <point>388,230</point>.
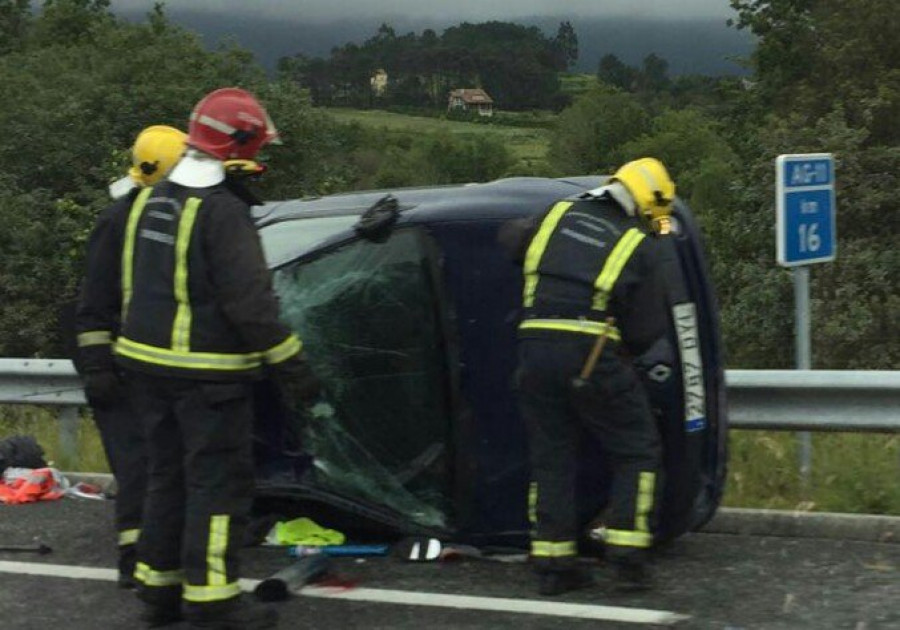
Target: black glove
<point>103,388</point>
<point>296,382</point>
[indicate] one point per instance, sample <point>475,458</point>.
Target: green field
<point>576,84</point>
<point>528,145</point>
<point>851,473</point>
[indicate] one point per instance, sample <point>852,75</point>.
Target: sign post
<point>806,234</point>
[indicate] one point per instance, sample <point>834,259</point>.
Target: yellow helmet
<point>648,182</point>
<point>156,150</point>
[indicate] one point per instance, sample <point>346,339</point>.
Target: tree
<point>79,103</point>
<point>423,69</point>
<point>566,45</point>
<point>654,74</point>
<point>613,71</point>
<point>590,135</point>
<point>849,110</point>
<point>442,159</point>
<point>15,19</point>
<point>694,149</point>
<point>812,55</point>
<point>64,22</point>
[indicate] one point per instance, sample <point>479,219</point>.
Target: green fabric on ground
<point>305,531</point>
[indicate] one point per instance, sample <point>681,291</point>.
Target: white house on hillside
<point>471,99</point>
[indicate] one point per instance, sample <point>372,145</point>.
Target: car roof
<point>498,200</point>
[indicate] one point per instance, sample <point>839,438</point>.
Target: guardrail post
<point>803,352</point>
<point>68,437</point>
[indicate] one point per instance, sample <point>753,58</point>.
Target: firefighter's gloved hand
<point>297,382</point>
<point>103,388</point>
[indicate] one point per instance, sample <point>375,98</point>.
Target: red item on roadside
<point>39,484</point>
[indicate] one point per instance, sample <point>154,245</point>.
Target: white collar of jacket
<point>197,170</point>
<point>618,193</point>
<point>121,187</point>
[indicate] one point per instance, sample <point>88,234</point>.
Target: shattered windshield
<point>369,320</point>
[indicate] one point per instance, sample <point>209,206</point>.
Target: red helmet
<point>230,123</point>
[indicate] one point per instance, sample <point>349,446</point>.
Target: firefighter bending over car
<point>593,283</point>
<point>156,150</point>
<point>199,323</point>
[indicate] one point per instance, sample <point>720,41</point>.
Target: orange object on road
<point>39,484</point>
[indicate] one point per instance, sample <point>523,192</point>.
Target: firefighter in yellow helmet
<point>155,152</point>
<point>593,285</point>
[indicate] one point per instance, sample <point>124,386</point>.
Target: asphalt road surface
<point>726,582</point>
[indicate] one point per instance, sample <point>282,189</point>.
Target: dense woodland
<point>80,83</point>
<point>517,65</point>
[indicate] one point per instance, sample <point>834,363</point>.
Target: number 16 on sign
<point>805,203</point>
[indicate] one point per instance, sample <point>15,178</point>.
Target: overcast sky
<point>327,10</point>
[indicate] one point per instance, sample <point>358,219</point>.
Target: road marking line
<point>59,570</point>
<point>406,598</point>
<point>499,604</point>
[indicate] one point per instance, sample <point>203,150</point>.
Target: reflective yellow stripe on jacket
<point>283,351</point>
<point>188,360</point>
<point>538,246</point>
<point>613,266</point>
<point>584,326</point>
<point>179,353</point>
<point>134,217</point>
<point>181,327</point>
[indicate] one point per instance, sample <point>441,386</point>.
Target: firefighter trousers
<point>123,442</point>
<point>611,406</point>
<point>199,443</point>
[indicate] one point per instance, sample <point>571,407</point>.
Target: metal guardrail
<point>40,382</point>
<point>792,400</point>
<point>814,400</point>
<point>46,382</point>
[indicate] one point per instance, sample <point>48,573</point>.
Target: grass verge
<point>41,423</point>
<point>851,472</point>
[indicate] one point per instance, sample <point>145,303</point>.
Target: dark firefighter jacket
<point>585,260</point>
<point>181,273</point>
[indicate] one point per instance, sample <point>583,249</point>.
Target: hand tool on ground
<point>38,548</point>
<point>280,585</point>
<point>338,550</point>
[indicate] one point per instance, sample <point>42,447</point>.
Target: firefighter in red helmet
<point>200,323</point>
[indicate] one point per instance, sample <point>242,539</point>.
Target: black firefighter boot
<point>232,614</point>
<point>632,573</point>
<point>162,605</point>
<point>127,562</point>
<point>560,576</point>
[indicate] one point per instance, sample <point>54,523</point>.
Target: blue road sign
<point>806,208</point>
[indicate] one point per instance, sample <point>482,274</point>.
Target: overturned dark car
<point>408,314</point>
